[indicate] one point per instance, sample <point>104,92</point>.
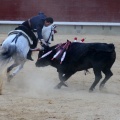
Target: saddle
<point>20,32</point>
<point>30,34</point>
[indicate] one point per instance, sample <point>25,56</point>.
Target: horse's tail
<point>6,55</point>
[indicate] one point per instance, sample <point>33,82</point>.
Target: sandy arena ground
<point>31,94</point>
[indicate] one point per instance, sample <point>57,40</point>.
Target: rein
<point>52,29</point>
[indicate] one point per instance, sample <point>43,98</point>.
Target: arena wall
<point>62,10</point>
<point>80,14</point>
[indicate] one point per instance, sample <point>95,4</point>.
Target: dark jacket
<point>37,23</point>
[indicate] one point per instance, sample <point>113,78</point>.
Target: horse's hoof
<point>9,78</point>
<point>102,88</point>
<point>8,70</point>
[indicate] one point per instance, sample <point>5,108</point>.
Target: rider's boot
<point>29,55</point>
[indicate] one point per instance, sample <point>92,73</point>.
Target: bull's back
<point>81,49</point>
<point>84,55</point>
<point>104,50</point>
<point>101,55</point>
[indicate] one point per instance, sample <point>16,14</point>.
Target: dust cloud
<point>30,95</point>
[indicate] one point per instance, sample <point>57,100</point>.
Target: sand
<point>31,95</point>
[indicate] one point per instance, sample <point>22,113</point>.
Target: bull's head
<point>44,57</point>
<point>41,62</point>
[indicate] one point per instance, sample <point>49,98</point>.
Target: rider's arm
<point>39,32</point>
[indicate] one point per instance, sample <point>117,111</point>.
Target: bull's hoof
<point>103,90</point>
<point>90,90</point>
<point>64,84</point>
<point>58,86</point>
<point>101,87</point>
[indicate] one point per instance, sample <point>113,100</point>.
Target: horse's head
<point>48,33</point>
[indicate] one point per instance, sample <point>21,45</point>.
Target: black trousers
<point>26,28</point>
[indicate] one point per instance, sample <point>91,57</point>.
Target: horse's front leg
<point>10,76</point>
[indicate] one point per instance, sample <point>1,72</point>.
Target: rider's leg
<point>29,55</point>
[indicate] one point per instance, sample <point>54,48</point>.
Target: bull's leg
<point>63,78</point>
<point>60,85</point>
<point>98,76</point>
<point>108,74</point>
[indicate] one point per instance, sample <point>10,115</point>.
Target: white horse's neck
<point>47,33</point>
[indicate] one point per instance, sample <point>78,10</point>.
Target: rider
<point>35,24</point>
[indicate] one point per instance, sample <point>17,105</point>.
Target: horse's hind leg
<point>108,74</point>
<point>15,72</point>
<point>9,77</point>
<point>11,67</point>
<point>17,69</point>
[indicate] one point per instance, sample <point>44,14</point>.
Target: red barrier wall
<point>62,10</point>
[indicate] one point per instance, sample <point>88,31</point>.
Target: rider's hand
<point>42,41</point>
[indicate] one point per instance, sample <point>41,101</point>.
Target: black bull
<point>82,56</point>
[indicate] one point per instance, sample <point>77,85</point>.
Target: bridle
<point>52,30</point>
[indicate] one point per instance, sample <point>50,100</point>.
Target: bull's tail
<point>6,55</point>
<point>113,52</point>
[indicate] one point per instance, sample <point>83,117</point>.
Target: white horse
<point>16,46</point>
